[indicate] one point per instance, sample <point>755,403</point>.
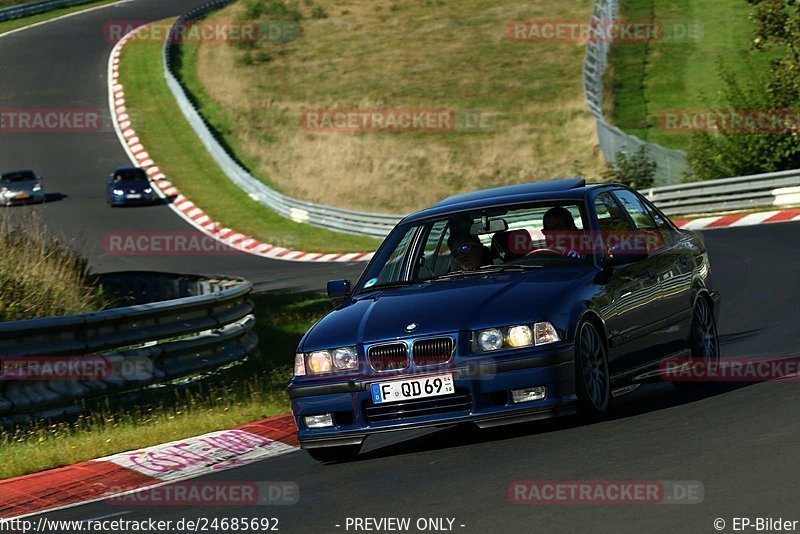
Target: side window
<point>643,219</point>
<point>436,259</point>
<point>632,204</point>
<point>663,226</point>
<point>609,215</point>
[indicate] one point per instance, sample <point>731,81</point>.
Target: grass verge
<point>681,70</point>
<point>404,54</point>
<point>254,390</point>
<point>173,145</point>
<point>39,277</point>
<point>10,25</point>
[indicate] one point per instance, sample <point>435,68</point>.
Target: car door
<point>677,277</point>
<point>634,317</point>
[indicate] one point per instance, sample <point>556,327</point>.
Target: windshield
<point>484,242</point>
<point>133,175</point>
<point>22,176</point>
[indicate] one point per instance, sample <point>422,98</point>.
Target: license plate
<point>137,195</point>
<point>24,195</point>
<point>413,388</point>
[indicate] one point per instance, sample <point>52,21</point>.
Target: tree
<point>636,170</point>
<point>774,95</point>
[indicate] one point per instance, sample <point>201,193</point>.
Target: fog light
<point>528,394</point>
<point>318,421</point>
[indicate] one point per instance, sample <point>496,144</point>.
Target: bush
<point>637,170</point>
<point>40,277</point>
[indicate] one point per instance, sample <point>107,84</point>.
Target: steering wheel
<point>545,251</point>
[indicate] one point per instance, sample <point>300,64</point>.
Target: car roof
<point>566,189</point>
<point>127,169</point>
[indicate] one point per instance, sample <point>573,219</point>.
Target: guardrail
<point>207,324</point>
<point>776,189</point>
<point>338,219</point>
<point>35,8</point>
<point>671,165</point>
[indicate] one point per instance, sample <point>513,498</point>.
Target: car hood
<point>470,303</point>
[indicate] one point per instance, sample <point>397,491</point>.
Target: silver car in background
<point>23,186</point>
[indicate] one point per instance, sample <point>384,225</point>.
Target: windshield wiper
<point>389,285</point>
<point>489,269</point>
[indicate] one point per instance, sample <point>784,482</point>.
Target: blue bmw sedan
<point>129,186</point>
<point>503,306</point>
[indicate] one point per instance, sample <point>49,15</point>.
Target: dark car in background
<point>503,306</point>
<point>21,187</point>
<point>130,186</point>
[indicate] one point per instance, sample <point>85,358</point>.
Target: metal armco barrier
<point>206,324</point>
<point>778,189</point>
<point>338,219</point>
<point>35,8</point>
<point>671,165</point>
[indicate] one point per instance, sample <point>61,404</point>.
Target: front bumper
<point>125,200</point>
<point>483,391</point>
<point>22,198</point>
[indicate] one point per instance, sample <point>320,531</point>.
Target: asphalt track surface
<point>740,441</point>
<point>63,65</point>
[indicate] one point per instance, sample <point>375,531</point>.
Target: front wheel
<point>592,380</point>
<point>341,453</point>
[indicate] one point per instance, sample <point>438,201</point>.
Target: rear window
<point>22,176</point>
<point>132,175</point>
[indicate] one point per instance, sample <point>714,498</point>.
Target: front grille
<point>433,351</point>
<point>461,401</point>
<point>389,357</point>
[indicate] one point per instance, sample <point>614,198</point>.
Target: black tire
<point>592,379</point>
<point>703,340</point>
<point>342,453</point>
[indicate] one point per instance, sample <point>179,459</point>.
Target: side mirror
<point>338,291</point>
<point>627,253</point>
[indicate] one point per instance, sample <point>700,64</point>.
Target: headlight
<point>345,358</point>
<point>37,188</point>
<point>519,336</point>
<point>326,361</point>
<point>119,192</point>
<point>491,339</point>
<point>148,190</point>
<point>320,362</point>
<point>514,337</point>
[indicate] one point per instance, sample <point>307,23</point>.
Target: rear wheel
<point>592,380</point>
<point>341,453</point>
<point>703,340</point>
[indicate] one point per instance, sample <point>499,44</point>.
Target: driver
<point>468,251</point>
<point>558,224</point>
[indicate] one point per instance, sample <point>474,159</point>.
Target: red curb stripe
<point>87,481</point>
<point>64,486</point>
<point>727,220</point>
<point>786,215</point>
<point>281,428</point>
